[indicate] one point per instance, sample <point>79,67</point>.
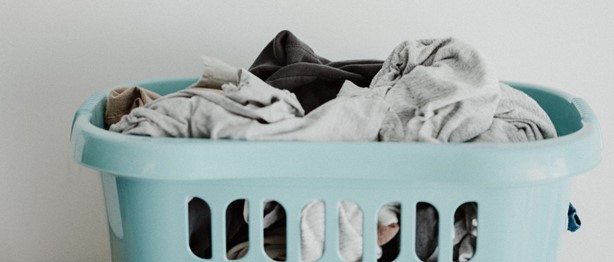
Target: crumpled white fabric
<point>441,89</point>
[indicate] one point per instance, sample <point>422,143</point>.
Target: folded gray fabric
<point>202,112</point>
<point>441,89</point>
<point>253,110</point>
<point>518,118</point>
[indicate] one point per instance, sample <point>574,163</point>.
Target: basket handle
<point>585,110</point>
<point>87,108</point>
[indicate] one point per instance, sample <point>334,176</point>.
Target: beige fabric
<point>122,100</point>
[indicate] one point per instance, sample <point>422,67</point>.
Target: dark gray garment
<point>427,230</point>
<point>199,228</point>
<point>288,63</point>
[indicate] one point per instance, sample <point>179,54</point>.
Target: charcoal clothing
<point>288,63</point>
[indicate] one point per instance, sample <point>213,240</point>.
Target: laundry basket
<point>521,189</point>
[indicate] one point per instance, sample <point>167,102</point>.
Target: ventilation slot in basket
<point>350,230</point>
<point>389,231</point>
<point>427,230</point>
<point>466,231</point>
<point>199,216</point>
<point>312,231</point>
<point>237,237</point>
<point>274,226</point>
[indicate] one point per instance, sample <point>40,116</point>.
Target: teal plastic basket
<point>521,189</point>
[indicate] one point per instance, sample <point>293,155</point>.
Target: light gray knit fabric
<point>253,110</point>
<point>437,90</point>
<point>518,118</point>
<point>441,89</point>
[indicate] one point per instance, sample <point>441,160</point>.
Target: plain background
<point>55,53</point>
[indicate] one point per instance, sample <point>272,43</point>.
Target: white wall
<point>55,53</point>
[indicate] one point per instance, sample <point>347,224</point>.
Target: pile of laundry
<point>432,90</point>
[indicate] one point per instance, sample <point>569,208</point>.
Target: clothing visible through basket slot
<point>312,231</point>
<point>433,90</point>
<point>350,234</point>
